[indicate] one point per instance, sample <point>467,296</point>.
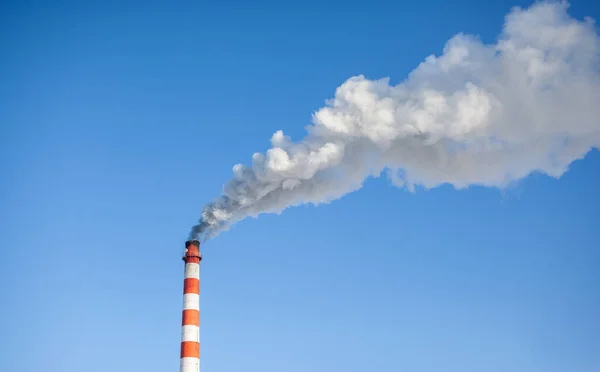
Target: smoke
<point>476,115</point>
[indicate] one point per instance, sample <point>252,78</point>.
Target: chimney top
<point>194,242</point>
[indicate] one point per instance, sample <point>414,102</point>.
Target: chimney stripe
<point>192,270</point>
<point>190,317</point>
<point>190,349</point>
<point>191,285</point>
<point>191,301</point>
<point>189,364</point>
<point>190,333</point>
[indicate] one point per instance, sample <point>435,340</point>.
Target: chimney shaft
<point>190,325</point>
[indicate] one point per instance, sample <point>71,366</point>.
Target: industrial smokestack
<point>190,324</point>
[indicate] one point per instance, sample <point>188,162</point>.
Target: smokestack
<point>190,324</point>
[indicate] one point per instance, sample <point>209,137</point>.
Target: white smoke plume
<point>476,115</point>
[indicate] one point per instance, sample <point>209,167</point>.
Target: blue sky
<point>119,120</point>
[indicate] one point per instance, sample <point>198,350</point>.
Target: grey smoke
<point>476,115</point>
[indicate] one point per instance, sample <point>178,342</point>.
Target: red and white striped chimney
<point>190,324</point>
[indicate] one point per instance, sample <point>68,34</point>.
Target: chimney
<point>190,325</point>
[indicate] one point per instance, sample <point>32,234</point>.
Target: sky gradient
<point>120,120</point>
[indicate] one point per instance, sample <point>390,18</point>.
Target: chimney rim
<point>194,242</point>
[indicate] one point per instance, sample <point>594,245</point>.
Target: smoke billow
<point>476,115</point>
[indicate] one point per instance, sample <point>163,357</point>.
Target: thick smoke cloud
<point>476,115</point>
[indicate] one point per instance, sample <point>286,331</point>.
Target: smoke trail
<point>476,115</point>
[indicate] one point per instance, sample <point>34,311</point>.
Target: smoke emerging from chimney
<point>476,115</point>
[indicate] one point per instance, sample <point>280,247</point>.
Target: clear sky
<point>120,120</point>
